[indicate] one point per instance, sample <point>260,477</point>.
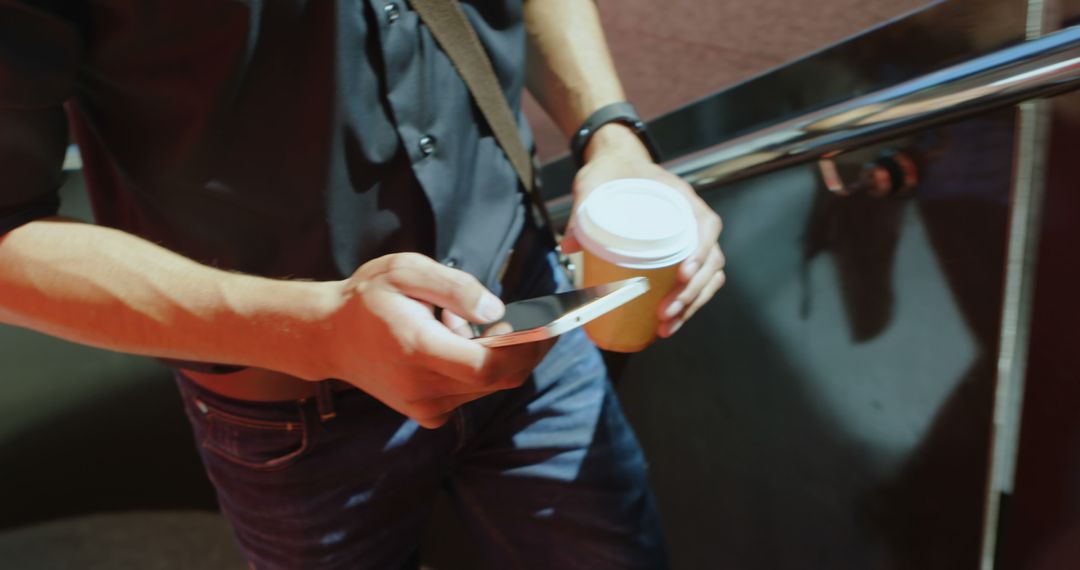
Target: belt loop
<point>324,400</point>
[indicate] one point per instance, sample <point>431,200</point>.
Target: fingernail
<point>490,308</point>
<point>673,309</point>
<point>675,328</point>
<point>691,268</point>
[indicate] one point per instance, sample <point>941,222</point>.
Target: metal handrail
<point>1036,68</point>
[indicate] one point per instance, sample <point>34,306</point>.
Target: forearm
<point>570,71</point>
<point>106,288</point>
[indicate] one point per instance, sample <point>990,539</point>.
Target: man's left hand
<point>615,152</point>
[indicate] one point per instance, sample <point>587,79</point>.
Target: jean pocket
<point>252,442</point>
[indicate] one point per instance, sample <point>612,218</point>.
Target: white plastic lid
<point>637,223</point>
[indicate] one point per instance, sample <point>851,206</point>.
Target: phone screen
<point>541,312</point>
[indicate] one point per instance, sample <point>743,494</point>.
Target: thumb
<point>429,281</point>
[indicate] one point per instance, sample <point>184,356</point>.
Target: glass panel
<point>1040,529</point>
<point>831,408</point>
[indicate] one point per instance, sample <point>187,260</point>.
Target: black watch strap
<point>621,112</point>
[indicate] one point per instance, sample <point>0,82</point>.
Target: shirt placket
<point>399,33</point>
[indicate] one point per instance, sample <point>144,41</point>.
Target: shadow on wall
<point>837,418</point>
<point>122,446</point>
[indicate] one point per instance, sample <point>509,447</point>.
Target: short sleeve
<point>40,51</point>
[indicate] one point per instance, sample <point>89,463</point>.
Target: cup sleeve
<point>40,54</point>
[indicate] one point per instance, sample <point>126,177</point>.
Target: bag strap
<point>452,30</point>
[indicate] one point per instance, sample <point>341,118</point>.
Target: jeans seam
<point>268,425</point>
<point>274,464</point>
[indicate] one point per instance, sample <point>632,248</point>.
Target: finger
<point>439,350</point>
<point>498,329</point>
<point>456,324</point>
<point>706,295</point>
<point>424,279</point>
<point>671,326</point>
<point>714,262</point>
<point>678,299</point>
<point>709,226</point>
<point>570,243</point>
<point>470,363</point>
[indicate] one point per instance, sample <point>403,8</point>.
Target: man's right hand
<point>376,330</point>
<point>382,336</point>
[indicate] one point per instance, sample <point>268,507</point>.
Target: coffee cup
<point>627,228</point>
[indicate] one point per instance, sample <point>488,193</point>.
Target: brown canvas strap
<point>452,30</point>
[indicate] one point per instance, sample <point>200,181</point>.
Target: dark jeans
<point>548,475</point>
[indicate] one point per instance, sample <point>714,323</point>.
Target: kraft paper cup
<point>628,228</point>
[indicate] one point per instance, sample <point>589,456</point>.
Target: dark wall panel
<point>831,408</point>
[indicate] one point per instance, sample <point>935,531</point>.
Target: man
<point>292,188</point>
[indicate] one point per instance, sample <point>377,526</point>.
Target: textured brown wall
<point>672,52</point>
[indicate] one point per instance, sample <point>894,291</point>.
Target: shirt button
<point>392,12</point>
<point>450,262</point>
<point>427,145</point>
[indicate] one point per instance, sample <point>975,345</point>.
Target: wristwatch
<point>621,112</point>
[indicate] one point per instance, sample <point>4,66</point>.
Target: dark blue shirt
<point>279,138</point>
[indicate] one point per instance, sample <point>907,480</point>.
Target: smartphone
<point>552,315</point>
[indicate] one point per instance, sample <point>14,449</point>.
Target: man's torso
<point>295,139</point>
